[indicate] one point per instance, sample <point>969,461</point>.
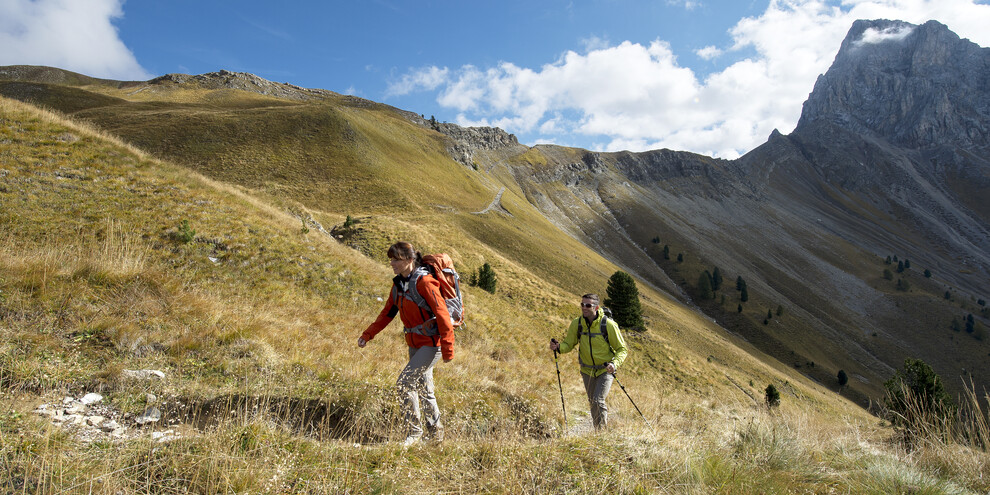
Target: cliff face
<point>902,120</point>
<point>915,86</point>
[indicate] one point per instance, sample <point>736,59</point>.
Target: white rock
<point>95,420</point>
<point>150,398</point>
<point>76,408</point>
<point>91,398</point>
<point>109,425</point>
<point>151,415</point>
<point>142,374</point>
<point>68,400</point>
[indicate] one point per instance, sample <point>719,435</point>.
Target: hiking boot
<point>434,434</point>
<point>411,440</point>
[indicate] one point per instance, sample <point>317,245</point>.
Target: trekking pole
<point>559,385</point>
<point>633,403</point>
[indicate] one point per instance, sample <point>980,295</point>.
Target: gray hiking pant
<point>597,389</point>
<point>415,385</point>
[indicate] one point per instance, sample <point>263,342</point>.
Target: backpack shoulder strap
<point>604,329</point>
<point>412,292</point>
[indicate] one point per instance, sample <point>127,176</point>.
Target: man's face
<point>589,308</point>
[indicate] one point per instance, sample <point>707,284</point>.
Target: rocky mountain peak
<point>244,81</point>
<point>914,86</point>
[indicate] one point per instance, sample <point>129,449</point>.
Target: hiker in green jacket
<point>600,353</point>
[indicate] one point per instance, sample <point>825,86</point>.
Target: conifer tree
<point>843,378</point>
<point>487,278</point>
<point>739,309</point>
<point>917,386</point>
<point>716,279</point>
<point>666,252</point>
<point>772,396</point>
<point>740,283</point>
<point>744,295</point>
<point>622,297</point>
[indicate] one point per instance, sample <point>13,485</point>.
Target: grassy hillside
<point>252,319</point>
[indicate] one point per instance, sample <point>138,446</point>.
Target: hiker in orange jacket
<point>415,296</point>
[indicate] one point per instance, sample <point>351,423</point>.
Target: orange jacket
<point>412,315</point>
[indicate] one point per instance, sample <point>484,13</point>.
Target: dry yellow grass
<point>254,324</point>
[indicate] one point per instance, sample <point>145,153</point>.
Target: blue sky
<point>713,77</point>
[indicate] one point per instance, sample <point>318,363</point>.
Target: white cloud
<point>68,34</point>
<point>637,97</point>
<point>687,4</point>
<point>426,78</point>
<point>873,36</point>
<point>709,52</point>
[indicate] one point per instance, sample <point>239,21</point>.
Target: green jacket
<point>594,352</point>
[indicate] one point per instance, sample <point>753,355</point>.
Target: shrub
<point>915,395</point>
<point>487,278</point>
<point>843,378</point>
<point>772,396</point>
<point>185,234</point>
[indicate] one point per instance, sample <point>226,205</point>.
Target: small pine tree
<point>900,267</point>
<point>740,283</point>
<point>744,295</point>
<point>903,285</point>
<point>769,314</point>
<point>185,234</point>
<point>917,387</point>
<point>622,297</point>
<point>680,257</point>
<point>970,324</point>
<point>716,279</point>
<point>780,310</point>
<point>948,295</point>
<point>349,222</point>
<point>887,261</point>
<point>473,279</point>
<point>887,274</point>
<point>666,252</point>
<point>843,378</point>
<point>487,278</point>
<point>772,396</point>
<point>907,264</point>
<point>739,309</point>
<point>928,273</point>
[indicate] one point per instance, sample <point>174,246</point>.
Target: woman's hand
<point>362,342</point>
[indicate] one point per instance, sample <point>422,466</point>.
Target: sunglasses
<point>587,305</point>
